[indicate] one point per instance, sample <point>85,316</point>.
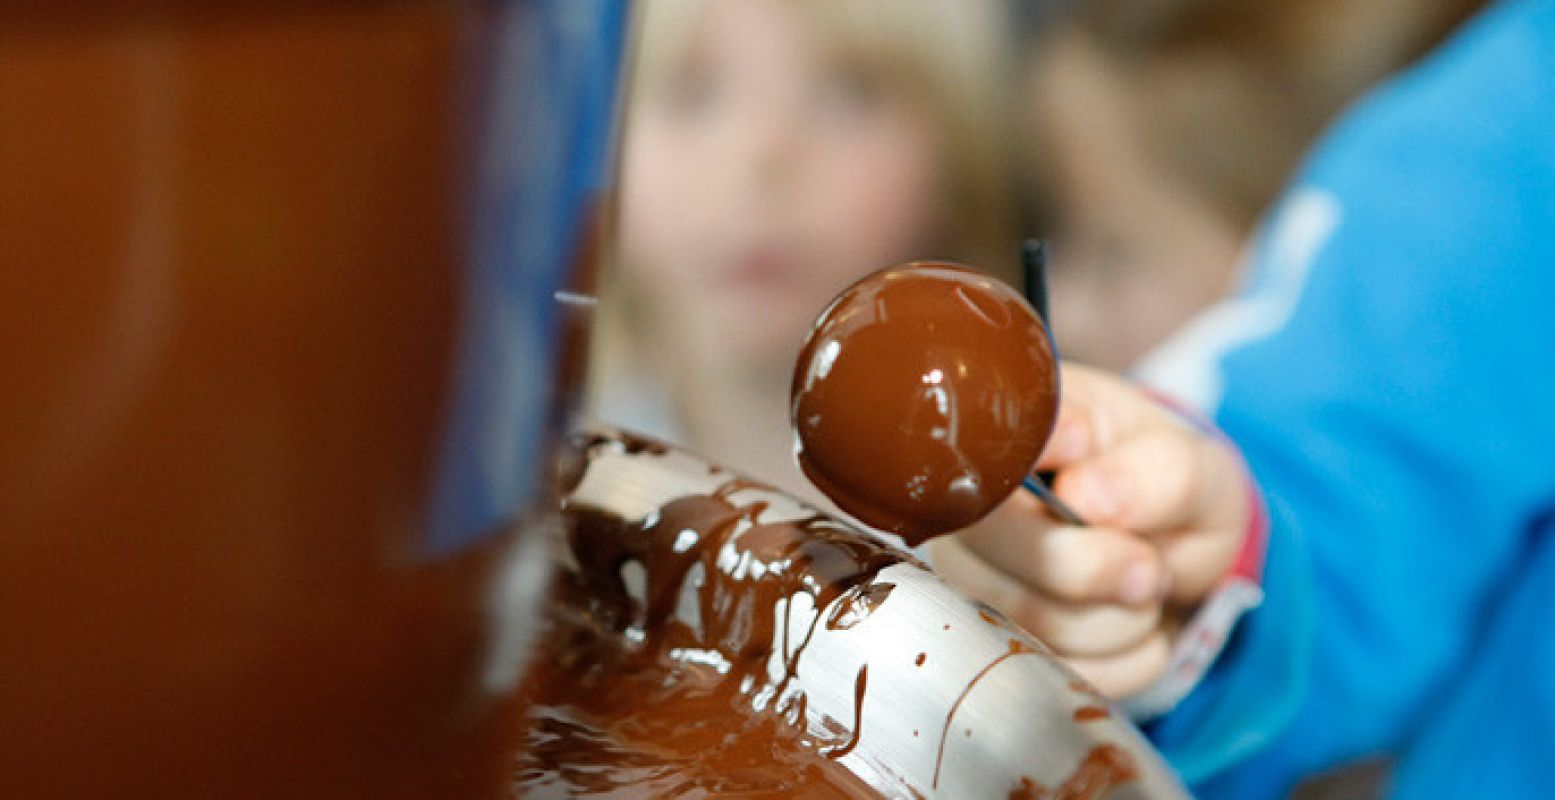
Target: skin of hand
<point>1167,505</point>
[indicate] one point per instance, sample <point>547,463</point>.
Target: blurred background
<point>776,151</point>
<point>190,166</point>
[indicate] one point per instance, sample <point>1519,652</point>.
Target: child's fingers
<point>1161,479</point>
<point>1126,673</point>
<point>1198,560</point>
<point>1067,563</point>
<point>1095,410</point>
<point>1089,629</point>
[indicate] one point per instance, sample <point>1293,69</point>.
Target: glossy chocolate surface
<point>638,696</point>
<point>922,398</point>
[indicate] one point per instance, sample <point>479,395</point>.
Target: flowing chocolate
<point>922,397</point>
<point>641,696</point>
<point>676,657</point>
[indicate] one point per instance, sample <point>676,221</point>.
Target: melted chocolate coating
<point>641,697</point>
<point>1017,647</point>
<point>922,397</point>
<point>673,650</point>
<point>1104,768</point>
<point>1028,789</point>
<point>1091,713</point>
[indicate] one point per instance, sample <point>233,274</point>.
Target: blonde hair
<point>954,57</point>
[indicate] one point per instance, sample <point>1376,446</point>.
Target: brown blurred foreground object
<point>232,261</point>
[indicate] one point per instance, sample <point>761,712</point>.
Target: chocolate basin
<point>959,702</point>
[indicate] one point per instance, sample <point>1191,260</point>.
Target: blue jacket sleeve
<point>1390,378</point>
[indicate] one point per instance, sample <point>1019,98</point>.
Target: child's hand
<point>1167,505</point>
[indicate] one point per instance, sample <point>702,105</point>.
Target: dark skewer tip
<point>1060,509</point>
<point>1033,261</point>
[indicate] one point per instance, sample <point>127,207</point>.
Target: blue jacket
<point>1389,373</point>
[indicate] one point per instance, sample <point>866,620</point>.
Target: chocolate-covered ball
<point>923,397</point>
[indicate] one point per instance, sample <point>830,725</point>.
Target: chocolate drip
<point>1091,713</point>
<point>1017,647</point>
<point>859,684</point>
<point>1028,789</point>
<point>1105,767</point>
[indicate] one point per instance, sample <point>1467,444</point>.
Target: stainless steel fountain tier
<point>949,711</point>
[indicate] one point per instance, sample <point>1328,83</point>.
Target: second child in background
<point>774,152</point>
<point>1166,129</point>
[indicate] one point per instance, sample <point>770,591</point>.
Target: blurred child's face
<point>761,175</point>
<point>1136,254</point>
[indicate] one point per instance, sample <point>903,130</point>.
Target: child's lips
<point>766,268</point>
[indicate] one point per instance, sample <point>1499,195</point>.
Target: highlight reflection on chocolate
<point>923,396</point>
